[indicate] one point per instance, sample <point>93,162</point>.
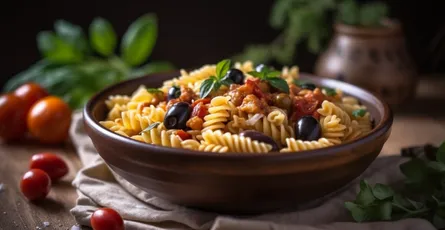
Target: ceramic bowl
<point>236,183</point>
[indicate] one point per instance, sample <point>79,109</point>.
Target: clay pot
<point>373,58</point>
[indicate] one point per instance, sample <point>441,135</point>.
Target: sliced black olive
<point>173,92</point>
<point>309,86</point>
<point>257,136</point>
<point>177,116</point>
<point>235,75</point>
<point>307,128</point>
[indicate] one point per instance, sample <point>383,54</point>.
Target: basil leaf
<point>206,87</point>
<point>152,67</point>
<point>384,211</point>
<point>139,40</point>
<point>150,127</point>
<point>440,156</point>
<point>154,91</point>
<point>33,73</point>
<point>102,36</point>
<point>256,74</point>
<point>382,192</point>
<point>226,81</point>
<point>330,92</point>
<point>359,113</point>
<point>72,34</point>
<point>357,212</point>
<point>365,196</point>
<point>415,170</point>
<point>222,67</point>
<point>57,50</point>
<point>436,166</point>
<point>273,74</point>
<point>279,83</point>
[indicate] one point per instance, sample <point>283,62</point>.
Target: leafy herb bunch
<point>309,21</point>
<point>222,77</point>
<point>74,67</point>
<point>423,196</point>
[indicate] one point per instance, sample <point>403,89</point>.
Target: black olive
<point>177,116</point>
<point>173,92</point>
<point>309,86</point>
<point>257,136</point>
<point>307,128</point>
<point>235,75</point>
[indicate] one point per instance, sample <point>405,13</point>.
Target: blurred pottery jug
<point>374,58</point>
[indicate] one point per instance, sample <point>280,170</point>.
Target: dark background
<point>192,33</point>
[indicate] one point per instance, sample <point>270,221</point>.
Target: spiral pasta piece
<point>117,128</point>
<point>329,108</point>
<point>134,121</point>
<point>352,132</point>
<point>187,78</point>
<point>153,113</point>
<point>234,142</point>
<point>299,145</point>
<point>213,148</point>
<point>218,114</point>
<point>278,132</point>
<point>277,116</point>
<point>116,111</point>
<point>332,129</point>
<point>117,100</point>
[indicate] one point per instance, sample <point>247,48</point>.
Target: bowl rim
<point>381,128</point>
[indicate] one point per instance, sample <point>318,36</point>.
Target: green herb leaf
<point>102,36</point>
<point>440,156</point>
<point>438,167</point>
<point>272,74</point>
<point>72,34</point>
<point>154,91</point>
<point>415,170</point>
<point>57,50</point>
<point>349,12</point>
<point>222,67</point>
<point>330,92</point>
<point>279,83</point>
<point>382,192</point>
<point>139,40</point>
<point>256,74</point>
<point>298,82</point>
<point>152,67</point>
<point>226,82</point>
<point>150,127</point>
<point>384,211</point>
<point>206,87</point>
<point>371,14</point>
<point>34,73</point>
<point>357,212</point>
<point>359,113</point>
<point>401,202</point>
<point>365,196</point>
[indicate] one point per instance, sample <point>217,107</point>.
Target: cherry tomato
<point>49,120</point>
<point>106,219</point>
<point>12,117</point>
<point>183,135</point>
<point>52,164</point>
<point>30,93</point>
<point>35,184</point>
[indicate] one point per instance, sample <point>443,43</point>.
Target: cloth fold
<point>98,186</point>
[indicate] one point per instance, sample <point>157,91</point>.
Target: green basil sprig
<point>422,197</point>
<point>150,127</point>
<point>272,77</point>
<point>213,83</point>
<point>71,69</point>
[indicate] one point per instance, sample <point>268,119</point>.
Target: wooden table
<point>419,123</point>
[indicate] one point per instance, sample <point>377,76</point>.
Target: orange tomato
<point>30,93</point>
<point>12,117</point>
<point>49,120</point>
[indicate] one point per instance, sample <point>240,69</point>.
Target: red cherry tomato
<point>200,110</point>
<point>183,135</point>
<point>35,184</point>
<point>52,164</point>
<point>30,93</point>
<point>12,117</point>
<point>49,120</point>
<point>106,219</point>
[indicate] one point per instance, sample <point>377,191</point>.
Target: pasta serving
<point>241,108</point>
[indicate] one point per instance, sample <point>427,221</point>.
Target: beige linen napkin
<point>98,187</point>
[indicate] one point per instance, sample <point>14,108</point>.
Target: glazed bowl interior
<point>236,183</point>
